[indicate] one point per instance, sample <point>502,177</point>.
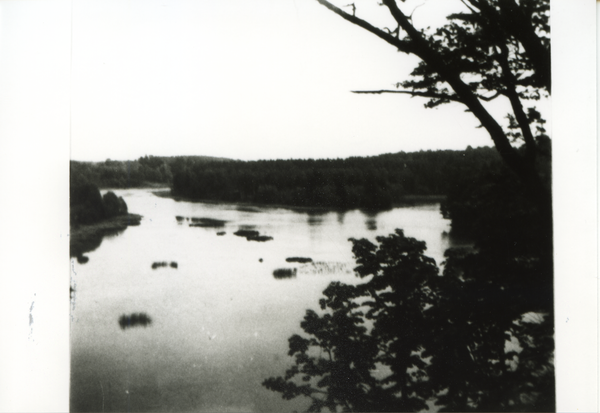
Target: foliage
<point>359,333</point>
<point>113,205</point>
<point>495,200</point>
<point>147,170</point>
<point>87,206</point>
<point>371,183</point>
<point>479,337</point>
<point>487,50</point>
<point>407,337</point>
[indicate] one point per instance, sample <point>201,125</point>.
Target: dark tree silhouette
<point>408,337</point>
<point>362,352</point>
<point>373,183</point>
<point>490,49</point>
<point>480,336</point>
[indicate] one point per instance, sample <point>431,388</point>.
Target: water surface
<point>202,335</point>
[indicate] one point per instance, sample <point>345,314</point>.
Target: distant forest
<point>376,182</point>
<point>143,172</point>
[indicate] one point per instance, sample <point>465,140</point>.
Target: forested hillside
<point>359,182</point>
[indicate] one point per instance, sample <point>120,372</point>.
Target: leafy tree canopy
<point>408,338</point>
<point>488,49</point>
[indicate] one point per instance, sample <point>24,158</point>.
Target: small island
<point>252,235</point>
<point>93,216</point>
<point>301,260</point>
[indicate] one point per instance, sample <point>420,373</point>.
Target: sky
<point>247,80</point>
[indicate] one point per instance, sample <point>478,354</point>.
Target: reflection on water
<point>371,223</point>
<point>457,242</point>
<point>134,320</point>
<point>88,241</point>
<point>315,218</point>
<point>371,219</point>
<point>222,325</point>
<point>248,209</point>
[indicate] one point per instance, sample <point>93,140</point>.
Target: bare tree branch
<point>468,6</point>
<point>412,93</point>
<point>467,96</point>
<point>399,44</point>
<point>418,44</point>
<point>489,99</point>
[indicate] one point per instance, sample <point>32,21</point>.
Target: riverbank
<point>85,238</point>
<point>408,200</point>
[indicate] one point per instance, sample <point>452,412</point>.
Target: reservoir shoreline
<point>88,237</point>
<point>408,200</point>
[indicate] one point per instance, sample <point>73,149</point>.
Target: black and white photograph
<point>303,206</point>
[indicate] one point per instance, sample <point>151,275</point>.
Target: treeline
<point>93,216</point>
<point>88,206</point>
<point>493,203</point>
<point>145,171</point>
<point>359,182</point>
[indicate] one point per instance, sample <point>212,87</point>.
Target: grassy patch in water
<point>252,235</point>
<point>246,233</point>
<point>134,320</point>
<point>207,222</point>
<point>281,273</point>
<point>260,238</point>
<point>301,260</point>
<point>156,265</point>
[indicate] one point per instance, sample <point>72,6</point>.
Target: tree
<point>488,50</point>
<point>360,332</point>
<point>407,338</point>
<point>479,337</point>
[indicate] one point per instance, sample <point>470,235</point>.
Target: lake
<point>203,334</point>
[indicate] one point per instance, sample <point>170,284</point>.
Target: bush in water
<point>301,260</point>
<point>284,273</point>
<point>133,320</point>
